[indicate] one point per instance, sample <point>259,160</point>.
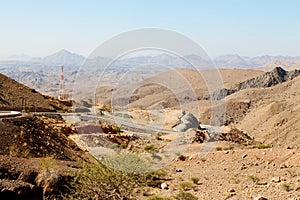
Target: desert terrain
<point>248,150</point>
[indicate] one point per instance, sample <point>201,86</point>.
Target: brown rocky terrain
<point>38,136</point>
<point>271,115</point>
<point>34,178</point>
<point>276,76</point>
<point>266,108</point>
<point>234,174</point>
<point>16,96</point>
<point>234,167</point>
<point>163,90</point>
<point>37,158</point>
<point>256,156</point>
<point>265,105</point>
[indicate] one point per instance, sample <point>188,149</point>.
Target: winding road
<point>130,126</point>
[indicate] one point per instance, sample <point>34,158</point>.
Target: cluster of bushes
<point>115,178</point>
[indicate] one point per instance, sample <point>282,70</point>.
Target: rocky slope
<point>248,174</point>
<point>276,76</point>
<point>174,87</point>
<point>35,178</point>
<point>38,136</point>
<point>16,96</point>
<point>269,79</point>
<point>37,159</point>
<point>270,115</point>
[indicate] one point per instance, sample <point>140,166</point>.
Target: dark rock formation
<point>17,190</point>
<point>235,135</point>
<point>38,136</point>
<point>33,179</point>
<point>268,79</point>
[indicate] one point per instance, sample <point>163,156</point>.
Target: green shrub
<point>47,177</point>
<point>116,178</point>
<point>13,150</point>
<point>118,129</point>
<point>253,178</point>
<point>218,148</point>
<point>123,145</point>
<point>228,148</point>
<point>187,185</point>
<point>114,146</point>
<point>195,180</point>
<point>159,198</point>
<point>48,163</point>
<point>25,153</point>
<point>286,186</point>
<point>159,173</point>
<point>263,146</point>
<point>185,196</point>
<point>150,148</point>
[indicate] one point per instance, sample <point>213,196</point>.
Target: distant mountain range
<point>64,57</point>
<point>43,73</point>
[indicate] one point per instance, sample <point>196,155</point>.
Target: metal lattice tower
<point>62,85</point>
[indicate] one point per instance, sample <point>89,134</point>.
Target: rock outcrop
<point>268,79</point>
<point>35,179</point>
<point>186,121</point>
<point>38,136</point>
<point>235,135</point>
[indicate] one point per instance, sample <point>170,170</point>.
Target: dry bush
<point>185,196</point>
<point>156,197</point>
<point>187,185</point>
<point>48,177</point>
<point>116,178</point>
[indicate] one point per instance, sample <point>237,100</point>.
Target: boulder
<point>186,121</point>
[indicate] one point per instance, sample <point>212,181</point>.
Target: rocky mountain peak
<point>269,79</point>
<point>64,57</point>
<point>279,71</point>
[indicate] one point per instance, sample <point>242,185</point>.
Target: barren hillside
<point>274,113</point>
<point>167,89</point>
<point>271,115</point>
<point>16,96</point>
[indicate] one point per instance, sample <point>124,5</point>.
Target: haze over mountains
<point>65,57</point>
<point>43,73</point>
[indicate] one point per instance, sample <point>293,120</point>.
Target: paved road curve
<point>5,114</point>
<point>128,125</point>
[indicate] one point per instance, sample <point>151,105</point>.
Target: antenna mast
<point>62,85</point>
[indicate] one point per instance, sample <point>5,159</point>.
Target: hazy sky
<point>245,27</point>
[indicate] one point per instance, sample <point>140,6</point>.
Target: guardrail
<point>4,114</point>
